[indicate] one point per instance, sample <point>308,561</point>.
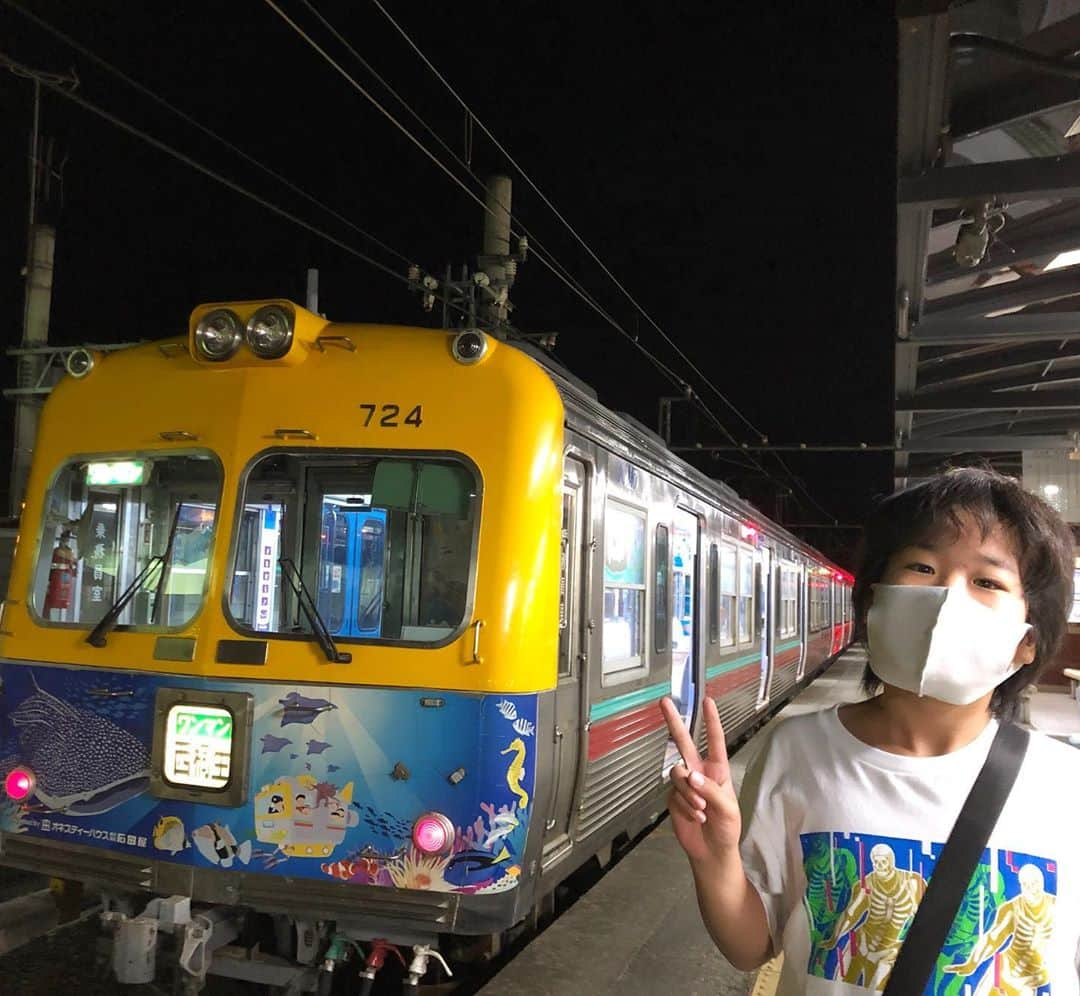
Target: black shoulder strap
<point>955,867</point>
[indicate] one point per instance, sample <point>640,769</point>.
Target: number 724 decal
<point>389,416</point>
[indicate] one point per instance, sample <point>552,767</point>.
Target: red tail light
<point>433,833</point>
<point>19,783</point>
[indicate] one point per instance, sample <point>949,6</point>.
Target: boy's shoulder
<point>795,734</point>
<point>1055,758</point>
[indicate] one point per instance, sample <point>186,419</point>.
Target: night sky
<point>734,170</point>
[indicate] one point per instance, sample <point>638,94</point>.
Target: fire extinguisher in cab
<point>61,575</point>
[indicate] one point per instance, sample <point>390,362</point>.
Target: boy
<point>962,596</point>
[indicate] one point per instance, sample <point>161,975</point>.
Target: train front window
<point>384,545</point>
<point>114,520</point>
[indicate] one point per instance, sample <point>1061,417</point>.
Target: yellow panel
<point>504,413</point>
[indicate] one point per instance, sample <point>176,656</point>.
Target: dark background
<point>733,167</point>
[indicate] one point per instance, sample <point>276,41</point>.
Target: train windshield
<point>115,521</point>
<point>384,545</point>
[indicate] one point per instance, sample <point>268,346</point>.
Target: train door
<point>765,614</point>
<point>573,655</point>
<point>686,583</point>
<point>802,620</point>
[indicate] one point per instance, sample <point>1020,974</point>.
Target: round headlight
<point>469,346</point>
<point>218,334</point>
<point>269,332</point>
<point>79,362</point>
<point>433,833</point>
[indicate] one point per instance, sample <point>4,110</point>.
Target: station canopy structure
<point>988,237</point>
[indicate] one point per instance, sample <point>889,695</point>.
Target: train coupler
<point>197,936</point>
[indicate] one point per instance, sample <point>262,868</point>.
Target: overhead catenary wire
<point>581,241</point>
<point>17,67</point>
<point>554,210</point>
<point>158,99</point>
<point>464,164</point>
<point>552,265</point>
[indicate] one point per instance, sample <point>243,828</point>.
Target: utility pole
<point>41,243</point>
<point>482,298</point>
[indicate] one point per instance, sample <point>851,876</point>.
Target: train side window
<point>714,593</point>
<point>624,588</point>
<point>746,596</point>
<point>661,613</point>
<point>728,597</point>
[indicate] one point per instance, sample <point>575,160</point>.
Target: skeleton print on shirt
<point>863,891</point>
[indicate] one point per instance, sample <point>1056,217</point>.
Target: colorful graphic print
<point>337,777</point>
<point>862,893</point>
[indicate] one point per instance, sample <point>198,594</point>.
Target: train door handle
<point>476,658</point>
<point>550,823</point>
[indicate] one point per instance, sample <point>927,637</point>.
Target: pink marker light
<point>19,783</point>
<point>433,833</point>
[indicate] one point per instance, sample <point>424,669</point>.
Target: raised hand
<point>703,805</point>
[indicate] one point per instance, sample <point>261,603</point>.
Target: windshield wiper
<point>311,611</point>
<point>97,636</point>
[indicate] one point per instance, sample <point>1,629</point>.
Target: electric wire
<point>676,379</point>
<point>22,70</point>
<point>525,176</point>
<point>147,92</point>
<point>462,164</point>
<point>567,279</point>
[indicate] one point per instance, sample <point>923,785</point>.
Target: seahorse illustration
<point>516,771</point>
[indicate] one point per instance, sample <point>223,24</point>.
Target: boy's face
<point>986,568</point>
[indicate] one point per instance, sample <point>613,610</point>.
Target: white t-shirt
<point>840,838</point>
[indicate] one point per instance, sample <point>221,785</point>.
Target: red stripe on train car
<point>739,678</point>
<point>619,730</point>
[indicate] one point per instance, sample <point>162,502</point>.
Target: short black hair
<point>1044,547</point>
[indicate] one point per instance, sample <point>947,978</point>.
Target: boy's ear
<point>1025,651</point>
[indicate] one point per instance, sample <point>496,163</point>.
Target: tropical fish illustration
<point>349,868</point>
<point>85,764</point>
<point>516,772</point>
<point>272,744</point>
<point>502,825</point>
<point>507,708</point>
<point>216,843</point>
<point>524,727</point>
<point>317,746</point>
<point>169,835</point>
<point>298,709</point>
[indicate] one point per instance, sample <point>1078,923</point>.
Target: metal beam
<point>949,423</point>
<point>1046,178</point>
<point>954,401</point>
<point>987,444</point>
<point>923,57</point>
<point>951,329</point>
<point>1016,294</point>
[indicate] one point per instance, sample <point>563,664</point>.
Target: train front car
<point>283,628</point>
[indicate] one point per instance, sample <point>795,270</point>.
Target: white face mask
<point>940,642</point>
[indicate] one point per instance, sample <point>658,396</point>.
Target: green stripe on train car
<point>639,697</point>
<point>718,669</point>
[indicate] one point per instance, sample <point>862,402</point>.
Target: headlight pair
<point>268,334</point>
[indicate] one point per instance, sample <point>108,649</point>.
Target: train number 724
<point>389,416</point>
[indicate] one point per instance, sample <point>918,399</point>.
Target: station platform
<point>638,931</point>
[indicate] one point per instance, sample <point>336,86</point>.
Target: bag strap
<point>955,867</point>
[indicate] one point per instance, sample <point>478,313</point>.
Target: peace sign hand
<point>703,805</point>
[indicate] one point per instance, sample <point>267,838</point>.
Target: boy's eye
<point>920,568</point>
<point>990,584</point>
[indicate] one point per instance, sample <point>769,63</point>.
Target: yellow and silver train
<point>363,628</point>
